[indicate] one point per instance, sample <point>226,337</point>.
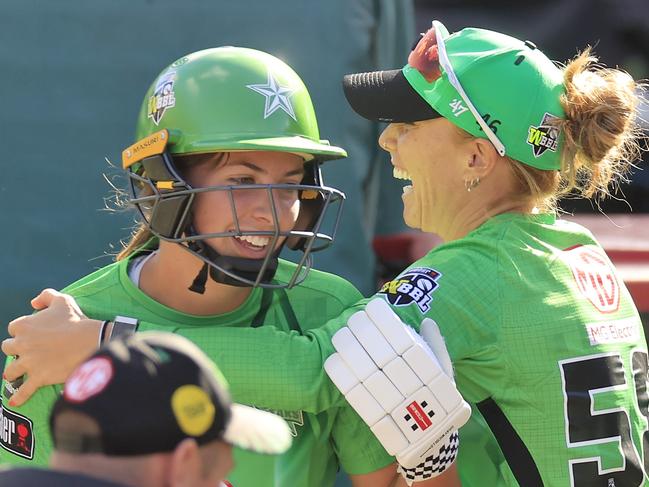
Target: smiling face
<point>433,155</point>
<point>256,210</point>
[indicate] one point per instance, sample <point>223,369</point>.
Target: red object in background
<point>393,248</point>
<point>393,253</point>
<point>625,239</point>
<point>396,252</point>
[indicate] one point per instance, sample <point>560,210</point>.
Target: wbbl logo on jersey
<point>414,286</point>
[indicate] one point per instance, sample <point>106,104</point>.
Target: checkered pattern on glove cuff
<point>435,464</point>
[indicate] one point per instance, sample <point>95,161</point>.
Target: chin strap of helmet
<point>198,285</point>
<point>248,269</point>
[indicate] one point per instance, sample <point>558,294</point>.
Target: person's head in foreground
<point>227,166</point>
<point>155,411</point>
<point>483,123</point>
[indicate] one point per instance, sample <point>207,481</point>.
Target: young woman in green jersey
<point>545,339</point>
<point>225,173</point>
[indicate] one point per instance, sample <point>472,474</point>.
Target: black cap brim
<point>386,96</point>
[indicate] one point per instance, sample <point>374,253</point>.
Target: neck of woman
<point>470,219</point>
<point>496,194</point>
<point>467,211</point>
<point>167,276</point>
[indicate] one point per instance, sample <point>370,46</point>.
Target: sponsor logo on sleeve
<point>413,286</point>
<point>16,433</point>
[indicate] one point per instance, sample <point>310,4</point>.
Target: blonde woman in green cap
<point>545,340</point>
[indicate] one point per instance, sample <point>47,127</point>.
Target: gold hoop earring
<point>469,185</point>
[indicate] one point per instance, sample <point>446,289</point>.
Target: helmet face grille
<point>223,100</point>
<point>166,210</point>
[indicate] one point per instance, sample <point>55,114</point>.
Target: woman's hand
<point>48,344</point>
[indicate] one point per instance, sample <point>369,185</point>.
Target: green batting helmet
<point>233,98</point>
<point>220,100</point>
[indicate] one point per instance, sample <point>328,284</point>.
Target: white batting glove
<point>400,387</point>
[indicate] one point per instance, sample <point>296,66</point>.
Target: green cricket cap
<point>514,87</point>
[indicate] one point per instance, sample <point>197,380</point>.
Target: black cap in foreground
<point>146,394</point>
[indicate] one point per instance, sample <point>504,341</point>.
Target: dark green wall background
<point>73,74</point>
<point>70,87</point>
<point>72,77</point>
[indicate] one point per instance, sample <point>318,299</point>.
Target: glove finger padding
<point>433,337</point>
<point>395,382</point>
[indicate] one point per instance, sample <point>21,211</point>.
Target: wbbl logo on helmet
<point>545,136</point>
<point>163,97</point>
<point>414,286</point>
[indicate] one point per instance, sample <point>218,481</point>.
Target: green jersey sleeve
<point>356,447</point>
<point>260,364</point>
<point>24,430</point>
<point>278,364</point>
<point>26,435</point>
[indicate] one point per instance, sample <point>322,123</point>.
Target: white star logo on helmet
<point>277,97</point>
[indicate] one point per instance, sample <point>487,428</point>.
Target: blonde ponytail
<point>600,129</point>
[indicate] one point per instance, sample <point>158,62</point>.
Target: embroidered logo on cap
<point>88,380</point>
<point>163,97</point>
<point>414,286</point>
<point>16,433</point>
<point>193,409</point>
<point>457,107</point>
<point>545,136</point>
<point>277,97</point>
